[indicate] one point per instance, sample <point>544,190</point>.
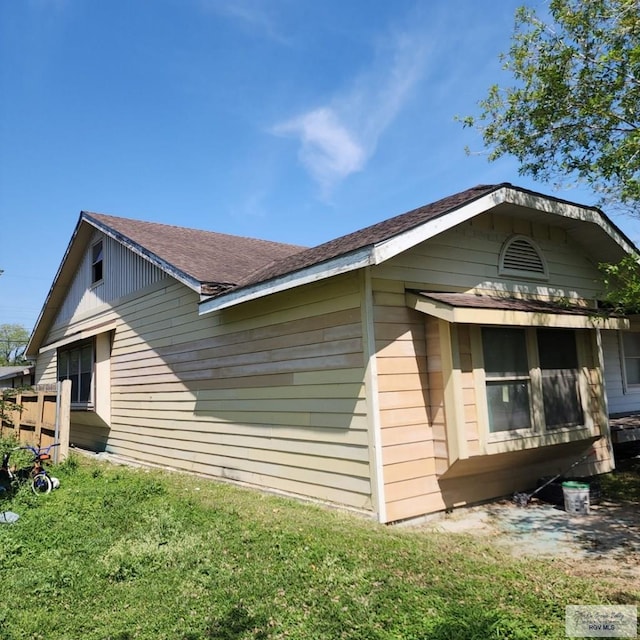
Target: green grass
<point>120,553</point>
<point>624,483</point>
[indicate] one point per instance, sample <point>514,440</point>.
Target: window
<point>97,261</point>
<point>76,364</point>
<point>508,380</point>
<point>532,379</point>
<point>560,383</point>
<point>631,351</point>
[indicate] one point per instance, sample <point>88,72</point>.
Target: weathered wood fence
<point>40,415</point>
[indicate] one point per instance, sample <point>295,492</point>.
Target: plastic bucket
<point>576,497</point>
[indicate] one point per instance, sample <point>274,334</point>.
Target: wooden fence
<point>40,415</point>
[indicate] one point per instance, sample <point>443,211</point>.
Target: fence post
<point>63,426</point>
<point>39,419</point>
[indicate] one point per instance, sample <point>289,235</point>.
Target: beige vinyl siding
<point>407,435</point>
<point>271,393</point>
<point>469,401</point>
<point>466,259</point>
<point>437,411</point>
<point>435,452</point>
<point>124,272</point>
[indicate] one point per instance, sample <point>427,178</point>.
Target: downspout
<point>372,391</point>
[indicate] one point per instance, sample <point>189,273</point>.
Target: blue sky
<point>289,120</point>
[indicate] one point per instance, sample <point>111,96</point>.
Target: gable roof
<point>383,240</point>
<point>233,269</point>
<point>205,261</point>
<point>201,259</point>
<point>367,237</point>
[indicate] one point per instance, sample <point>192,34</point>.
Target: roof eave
<point>342,264</point>
<point>393,246</point>
<point>369,255</point>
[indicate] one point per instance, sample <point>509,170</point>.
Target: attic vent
<point>521,257</point>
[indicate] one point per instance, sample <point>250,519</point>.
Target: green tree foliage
<point>13,341</point>
<point>573,112</point>
<point>622,284</point>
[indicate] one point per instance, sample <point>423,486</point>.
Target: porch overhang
<point>81,334</point>
<point>465,308</point>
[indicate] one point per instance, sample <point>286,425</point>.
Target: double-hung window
<point>508,379</point>
<point>631,350</point>
<point>532,379</point>
<point>558,358</point>
<point>97,262</point>
<point>75,363</point>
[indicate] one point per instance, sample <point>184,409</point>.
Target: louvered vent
<point>521,256</point>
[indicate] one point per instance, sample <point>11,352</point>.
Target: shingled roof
<point>368,236</point>
<point>216,260</point>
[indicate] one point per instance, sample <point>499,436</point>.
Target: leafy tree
<point>622,284</point>
<point>573,113</point>
<point>13,341</point>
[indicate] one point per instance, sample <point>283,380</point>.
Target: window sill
<point>82,406</point>
<point>499,443</point>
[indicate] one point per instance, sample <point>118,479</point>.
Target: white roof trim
<point>400,243</point>
<point>364,257</point>
<point>569,210</point>
<point>342,264</point>
<point>387,249</point>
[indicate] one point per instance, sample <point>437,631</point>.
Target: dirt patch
<point>607,540</point>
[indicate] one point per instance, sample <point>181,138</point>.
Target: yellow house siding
<point>403,384</point>
<point>466,259</point>
<point>470,411</point>
<point>437,412</point>
<point>270,394</point>
<point>433,362</point>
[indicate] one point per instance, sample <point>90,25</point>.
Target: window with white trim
<point>631,357</point>
<point>75,363</point>
<point>532,379</point>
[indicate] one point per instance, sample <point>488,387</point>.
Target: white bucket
<point>576,497</point>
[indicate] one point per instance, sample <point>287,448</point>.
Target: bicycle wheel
<point>41,483</point>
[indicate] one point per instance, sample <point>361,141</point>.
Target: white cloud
<point>328,149</point>
<point>253,15</point>
<point>337,139</point>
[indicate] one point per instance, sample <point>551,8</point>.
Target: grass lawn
<point>124,553</point>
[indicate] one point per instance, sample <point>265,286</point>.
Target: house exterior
<point>16,377</point>
<point>442,357</point>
